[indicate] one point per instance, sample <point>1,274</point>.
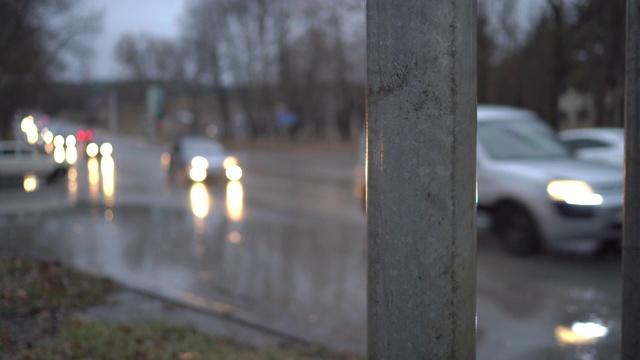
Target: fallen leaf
<point>5,336</point>
<point>44,315</point>
<point>189,355</point>
<point>21,293</point>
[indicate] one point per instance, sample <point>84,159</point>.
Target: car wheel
<point>516,229</point>
<point>57,175</point>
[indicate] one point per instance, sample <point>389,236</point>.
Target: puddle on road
<point>217,248</point>
<point>305,278</point>
<point>548,307</point>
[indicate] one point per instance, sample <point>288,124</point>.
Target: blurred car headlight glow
<point>58,141</point>
<point>589,329</point>
<point>30,182</point>
<point>47,137</point>
<point>199,162</point>
<point>59,154</point>
<point>26,123</point>
<point>229,161</point>
<point>70,140</point>
<point>71,154</point>
<point>580,333</point>
<point>32,136</point>
<point>198,174</point>
<point>573,192</point>
<point>30,129</point>
<point>234,173</point>
<point>92,149</point>
<point>199,200</point>
<point>106,149</point>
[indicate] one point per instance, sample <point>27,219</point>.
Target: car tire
<point>57,175</point>
<point>516,229</point>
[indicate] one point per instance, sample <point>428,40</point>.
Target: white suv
<point>537,193</point>
<point>18,159</point>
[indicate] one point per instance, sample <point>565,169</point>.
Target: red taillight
<point>81,135</point>
<point>88,135</point>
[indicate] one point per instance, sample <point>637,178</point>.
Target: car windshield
<point>203,147</point>
<point>519,140</point>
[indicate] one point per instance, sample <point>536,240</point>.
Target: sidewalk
<point>133,307</point>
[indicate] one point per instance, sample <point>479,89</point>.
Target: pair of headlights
<point>106,149</point>
<point>199,166</point>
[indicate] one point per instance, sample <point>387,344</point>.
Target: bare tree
<point>486,50</point>
<point>315,66</point>
<point>204,32</point>
<point>130,54</point>
<point>37,39</point>
<point>150,59</point>
<point>596,52</point>
<point>249,42</point>
<point>259,53</point>
<point>570,44</point>
<point>560,64</point>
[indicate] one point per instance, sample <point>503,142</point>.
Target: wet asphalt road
<point>285,248</point>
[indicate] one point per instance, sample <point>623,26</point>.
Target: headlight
<point>229,161</point>
<point>573,192</point>
<point>198,162</point>
<point>234,173</point>
<point>198,174</point>
<point>106,149</point>
<point>58,141</point>
<point>92,150</point>
<point>70,140</point>
<point>47,137</point>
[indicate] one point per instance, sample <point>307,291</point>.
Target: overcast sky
<point>160,17</point>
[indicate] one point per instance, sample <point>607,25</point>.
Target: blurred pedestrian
<point>287,120</point>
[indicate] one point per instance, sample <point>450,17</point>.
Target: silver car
<point>197,158</point>
<point>18,159</point>
<point>536,192</point>
<point>596,144</point>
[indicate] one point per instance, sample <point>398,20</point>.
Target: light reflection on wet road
<point>287,254</point>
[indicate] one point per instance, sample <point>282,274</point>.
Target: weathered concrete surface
<point>631,243</point>
<point>421,179</point>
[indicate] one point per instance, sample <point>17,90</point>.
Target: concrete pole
<point>631,240</point>
<point>421,155</point>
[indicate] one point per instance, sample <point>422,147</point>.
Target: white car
<point>533,191</point>
<point>197,158</point>
<point>18,159</point>
<point>537,193</point>
<point>598,144</point>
